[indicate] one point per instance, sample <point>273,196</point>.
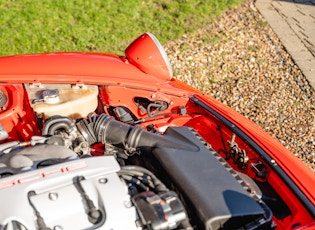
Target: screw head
<point>103,180</point>
<point>53,196</point>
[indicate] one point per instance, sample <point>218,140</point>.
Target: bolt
<point>273,162</point>
<point>127,203</point>
<point>103,180</point>
<point>53,196</point>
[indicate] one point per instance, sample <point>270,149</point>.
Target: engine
<point>139,179</point>
<point>67,190</point>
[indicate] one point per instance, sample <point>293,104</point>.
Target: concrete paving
<point>294,23</point>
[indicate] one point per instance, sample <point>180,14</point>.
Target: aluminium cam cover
<point>58,201</point>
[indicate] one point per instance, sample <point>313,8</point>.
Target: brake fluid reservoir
<point>74,101</point>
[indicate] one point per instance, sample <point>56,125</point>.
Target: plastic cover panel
<point>217,197</point>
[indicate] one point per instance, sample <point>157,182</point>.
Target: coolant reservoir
<point>74,101</point>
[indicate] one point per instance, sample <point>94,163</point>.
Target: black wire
<point>135,181</point>
<point>144,175</point>
<point>145,119</point>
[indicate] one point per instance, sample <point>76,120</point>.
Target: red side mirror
<point>147,54</point>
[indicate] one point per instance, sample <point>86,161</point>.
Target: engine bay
<point>113,157</point>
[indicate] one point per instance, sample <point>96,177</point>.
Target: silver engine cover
<point>57,200</point>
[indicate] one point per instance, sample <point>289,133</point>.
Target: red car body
<point>144,73</point>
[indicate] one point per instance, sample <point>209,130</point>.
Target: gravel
<point>240,61</point>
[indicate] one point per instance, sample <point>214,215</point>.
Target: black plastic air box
<point>210,185</point>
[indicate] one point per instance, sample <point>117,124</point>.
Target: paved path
<point>294,23</point>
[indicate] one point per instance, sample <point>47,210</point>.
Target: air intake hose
<point>103,129</point>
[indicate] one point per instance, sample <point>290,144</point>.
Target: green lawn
<point>33,26</point>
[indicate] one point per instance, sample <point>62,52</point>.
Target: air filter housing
<point>211,186</point>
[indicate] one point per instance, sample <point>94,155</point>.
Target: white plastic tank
<point>74,101</point>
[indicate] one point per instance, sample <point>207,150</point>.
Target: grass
<point>30,26</point>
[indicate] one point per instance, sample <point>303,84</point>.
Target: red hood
<point>70,67</point>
